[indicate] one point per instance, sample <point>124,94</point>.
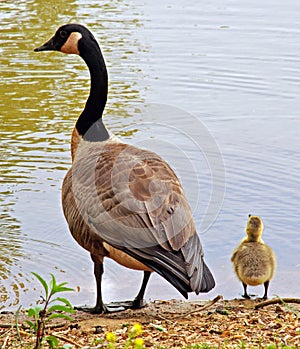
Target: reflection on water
<point>234,66</point>
<point>11,252</point>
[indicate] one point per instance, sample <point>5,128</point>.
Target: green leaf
<point>43,282</point>
<point>61,316</point>
<point>52,283</point>
<point>63,300</point>
<point>31,325</point>
<point>59,307</point>
<point>159,328</point>
<point>35,311</point>
<point>62,289</point>
<point>52,341</point>
<point>55,288</point>
<point>31,312</point>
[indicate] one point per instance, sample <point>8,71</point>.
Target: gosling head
<point>254,228</point>
<point>69,38</point>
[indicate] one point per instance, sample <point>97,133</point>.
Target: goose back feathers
<point>132,200</point>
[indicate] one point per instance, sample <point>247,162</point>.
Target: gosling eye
<point>63,34</point>
<point>249,215</point>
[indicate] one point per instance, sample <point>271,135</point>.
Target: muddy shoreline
<point>232,323</point>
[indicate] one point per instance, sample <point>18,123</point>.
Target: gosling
<point>253,261</point>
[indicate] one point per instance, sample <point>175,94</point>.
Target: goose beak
<point>47,46</point>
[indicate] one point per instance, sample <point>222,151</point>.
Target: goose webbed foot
<point>113,307</point>
<point>104,309</point>
<point>93,310</point>
<point>135,304</point>
<point>138,303</point>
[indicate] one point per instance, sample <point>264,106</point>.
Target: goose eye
<point>63,34</point>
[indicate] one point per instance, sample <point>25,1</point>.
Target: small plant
<point>133,340</point>
<point>49,310</point>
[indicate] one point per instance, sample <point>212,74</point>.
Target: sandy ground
<point>172,324</point>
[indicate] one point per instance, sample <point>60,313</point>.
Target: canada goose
<point>254,261</point>
<point>124,202</point>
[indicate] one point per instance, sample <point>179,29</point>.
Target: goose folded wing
<point>148,217</point>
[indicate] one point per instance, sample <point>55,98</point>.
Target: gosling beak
<point>47,46</point>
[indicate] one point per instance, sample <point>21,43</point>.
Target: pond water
<point>212,86</point>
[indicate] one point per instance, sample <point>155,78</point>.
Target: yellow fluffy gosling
<point>254,261</point>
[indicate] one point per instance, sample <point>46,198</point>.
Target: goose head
<point>69,38</point>
<point>77,39</point>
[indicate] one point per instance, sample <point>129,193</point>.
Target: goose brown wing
<point>134,201</point>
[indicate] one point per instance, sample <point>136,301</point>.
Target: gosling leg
<point>266,284</point>
<point>245,295</point>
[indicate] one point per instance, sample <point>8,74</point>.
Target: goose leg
<point>245,295</point>
<point>100,307</point>
<point>138,301</point>
<point>266,284</point>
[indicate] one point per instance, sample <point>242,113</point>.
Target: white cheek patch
<point>71,45</point>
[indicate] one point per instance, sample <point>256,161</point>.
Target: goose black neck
<point>89,124</point>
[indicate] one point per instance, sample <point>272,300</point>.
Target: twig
<point>26,327</point>
<point>25,333</point>
<point>17,324</point>
<point>5,333</point>
<point>205,306</point>
<point>277,301</point>
<point>5,341</point>
<point>6,325</point>
<point>65,339</point>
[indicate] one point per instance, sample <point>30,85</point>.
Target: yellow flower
<point>111,337</point>
<point>137,329</point>
<point>138,343</point>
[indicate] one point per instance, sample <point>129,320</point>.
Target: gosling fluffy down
<point>254,261</point>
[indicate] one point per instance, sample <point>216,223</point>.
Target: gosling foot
<point>264,297</point>
<point>249,296</point>
<point>246,296</point>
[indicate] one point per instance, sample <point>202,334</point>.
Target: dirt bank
<point>173,324</point>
